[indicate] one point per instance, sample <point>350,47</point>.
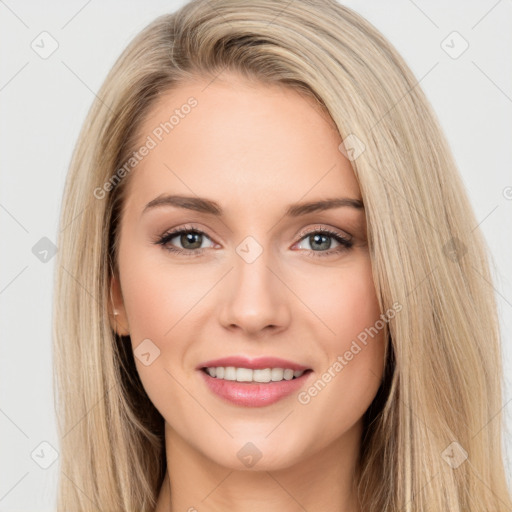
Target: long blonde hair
<point>432,436</point>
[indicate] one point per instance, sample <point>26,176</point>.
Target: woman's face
<point>255,278</point>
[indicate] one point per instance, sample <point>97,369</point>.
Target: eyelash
<point>163,240</point>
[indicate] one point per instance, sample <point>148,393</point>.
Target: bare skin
<point>254,149</point>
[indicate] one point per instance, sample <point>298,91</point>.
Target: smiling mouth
<point>249,375</point>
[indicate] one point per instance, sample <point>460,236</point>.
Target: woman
<point>271,294</point>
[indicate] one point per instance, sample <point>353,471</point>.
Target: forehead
<point>242,143</point>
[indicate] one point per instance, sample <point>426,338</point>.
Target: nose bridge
<point>251,270</point>
<point>256,298</point>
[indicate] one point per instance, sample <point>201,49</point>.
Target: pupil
<point>189,237</point>
<point>317,239</point>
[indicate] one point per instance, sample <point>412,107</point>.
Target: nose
<point>254,298</point>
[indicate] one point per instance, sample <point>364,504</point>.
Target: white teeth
<point>262,375</point>
<point>230,373</point>
<point>243,375</point>
<point>277,374</point>
<point>249,375</point>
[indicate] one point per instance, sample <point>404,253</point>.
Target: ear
<point>116,309</point>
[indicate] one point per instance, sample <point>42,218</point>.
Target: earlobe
<point>116,310</point>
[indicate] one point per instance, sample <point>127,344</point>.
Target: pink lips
<point>253,394</point>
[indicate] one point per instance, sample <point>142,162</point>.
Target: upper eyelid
<point>322,228</point>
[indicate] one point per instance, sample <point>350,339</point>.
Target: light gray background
<point>44,102</point>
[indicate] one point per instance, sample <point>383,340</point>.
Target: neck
<point>323,482</point>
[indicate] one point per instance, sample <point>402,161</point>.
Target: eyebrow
<point>204,205</point>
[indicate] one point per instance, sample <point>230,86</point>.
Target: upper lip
<point>257,363</point>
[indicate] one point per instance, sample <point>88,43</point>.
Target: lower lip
<point>253,394</point>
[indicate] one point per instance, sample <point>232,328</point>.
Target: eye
<point>320,242</point>
<point>190,240</point>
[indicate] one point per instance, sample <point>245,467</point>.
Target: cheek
<point>157,297</point>
<point>345,301</point>
<point>353,348</point>
<point>157,302</point>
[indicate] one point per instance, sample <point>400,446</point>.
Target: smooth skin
<point>254,149</point>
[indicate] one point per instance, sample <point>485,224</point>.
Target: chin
<point>258,455</point>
